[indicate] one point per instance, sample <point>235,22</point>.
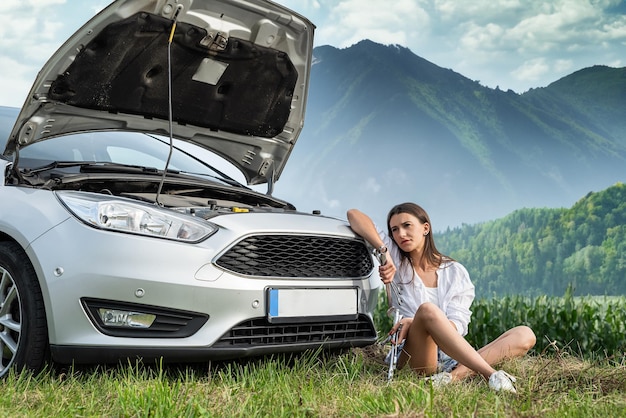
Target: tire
<point>23,327</point>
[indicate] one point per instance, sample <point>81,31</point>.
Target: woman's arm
<point>363,226</point>
<point>458,297</point>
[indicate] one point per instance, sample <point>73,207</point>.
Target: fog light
<point>125,319</point>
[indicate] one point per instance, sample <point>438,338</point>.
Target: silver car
<point>121,233</point>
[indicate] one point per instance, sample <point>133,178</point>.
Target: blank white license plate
<point>300,305</point>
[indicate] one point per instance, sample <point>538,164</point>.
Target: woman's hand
<point>402,328</point>
<point>387,271</point>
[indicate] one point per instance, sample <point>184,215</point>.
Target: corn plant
<point>587,326</point>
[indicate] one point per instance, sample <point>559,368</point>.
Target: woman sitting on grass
<point>434,294</point>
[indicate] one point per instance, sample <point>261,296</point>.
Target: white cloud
<point>396,177</point>
<point>521,44</point>
<point>15,82</point>
<point>31,31</point>
<point>562,66</point>
<point>320,194</point>
<point>482,38</point>
<point>350,21</point>
<point>370,186</point>
<point>531,70</point>
<point>332,203</point>
<point>10,6</point>
<point>477,10</point>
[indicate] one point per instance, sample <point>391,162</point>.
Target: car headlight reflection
<point>121,215</point>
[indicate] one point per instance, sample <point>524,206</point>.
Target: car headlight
<point>115,214</point>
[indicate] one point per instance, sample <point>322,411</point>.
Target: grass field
<point>349,384</point>
<point>577,369</point>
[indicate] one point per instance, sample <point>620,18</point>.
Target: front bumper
<point>240,342</point>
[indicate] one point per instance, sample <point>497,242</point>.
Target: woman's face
<point>408,232</point>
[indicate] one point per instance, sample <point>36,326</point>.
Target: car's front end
<point>261,283</point>
<point>119,238</point>
<point>231,281</point>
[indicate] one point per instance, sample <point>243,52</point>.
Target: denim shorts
<point>445,363</point>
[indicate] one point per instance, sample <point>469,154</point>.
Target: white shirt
<point>432,295</point>
<point>455,290</point>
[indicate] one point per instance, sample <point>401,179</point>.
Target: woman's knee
<point>525,337</point>
<point>428,312</point>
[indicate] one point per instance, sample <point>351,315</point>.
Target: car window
<point>126,148</point>
<point>133,157</point>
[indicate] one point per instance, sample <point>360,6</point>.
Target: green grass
<point>315,385</point>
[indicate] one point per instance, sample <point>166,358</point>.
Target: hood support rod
<point>169,102</point>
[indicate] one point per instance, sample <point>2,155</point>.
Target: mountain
<point>384,126</point>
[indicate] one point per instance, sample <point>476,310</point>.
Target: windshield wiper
<point>129,168</point>
<point>58,164</point>
<point>98,166</point>
<point>123,168</point>
<point>110,167</point>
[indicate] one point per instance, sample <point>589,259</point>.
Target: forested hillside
<point>542,251</point>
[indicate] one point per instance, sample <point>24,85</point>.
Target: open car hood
<point>239,72</point>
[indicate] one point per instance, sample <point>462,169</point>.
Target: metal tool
<point>394,313</point>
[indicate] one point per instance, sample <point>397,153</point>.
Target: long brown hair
<point>430,255</point>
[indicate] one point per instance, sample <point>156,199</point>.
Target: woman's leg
<point>419,350</point>
<point>430,330</point>
<point>513,343</point>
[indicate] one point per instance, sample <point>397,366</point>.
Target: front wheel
<point>23,328</point>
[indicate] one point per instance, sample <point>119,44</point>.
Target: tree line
<point>543,251</point>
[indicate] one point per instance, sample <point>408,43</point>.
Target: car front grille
<point>260,332</point>
<point>298,256</point>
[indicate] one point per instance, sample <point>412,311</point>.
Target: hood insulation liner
<point>124,70</point>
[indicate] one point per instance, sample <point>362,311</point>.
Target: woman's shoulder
<point>453,267</point>
<point>454,276</point>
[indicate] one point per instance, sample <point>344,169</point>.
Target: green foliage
<point>590,326</point>
<point>543,251</point>
<point>601,85</point>
<point>382,321</point>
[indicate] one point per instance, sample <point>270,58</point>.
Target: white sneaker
<point>502,381</point>
<point>440,379</point>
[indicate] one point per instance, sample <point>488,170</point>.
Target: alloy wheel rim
<point>10,320</point>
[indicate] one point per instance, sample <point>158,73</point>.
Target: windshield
<point>134,149</point>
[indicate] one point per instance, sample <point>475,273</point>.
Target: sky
<point>509,44</point>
